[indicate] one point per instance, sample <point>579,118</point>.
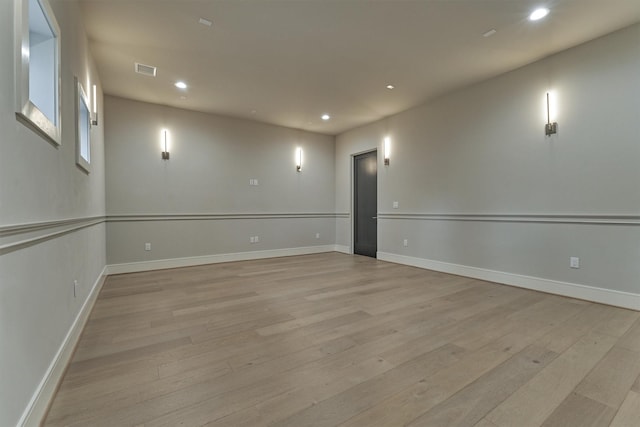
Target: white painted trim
<point>38,406</point>
<point>161,264</point>
<point>342,249</point>
<point>21,244</point>
<point>222,216</point>
<point>522,217</point>
<point>30,227</point>
<point>573,290</point>
<point>26,111</point>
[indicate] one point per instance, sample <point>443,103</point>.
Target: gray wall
<point>39,185</point>
<point>480,185</point>
<point>199,202</point>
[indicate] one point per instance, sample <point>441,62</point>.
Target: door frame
<point>352,195</point>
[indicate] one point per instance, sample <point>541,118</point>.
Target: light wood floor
<point>339,340</point>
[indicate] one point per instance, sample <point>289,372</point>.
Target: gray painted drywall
<point>194,238</point>
<point>41,183</point>
<point>482,150</point>
<point>212,160</point>
<point>478,150</point>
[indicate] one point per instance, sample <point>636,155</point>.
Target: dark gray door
<point>366,204</point>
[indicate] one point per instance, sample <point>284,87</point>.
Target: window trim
<point>26,111</point>
<point>81,99</point>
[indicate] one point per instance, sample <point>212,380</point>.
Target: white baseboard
<point>573,290</point>
<point>134,267</point>
<point>39,404</point>
<point>342,249</point>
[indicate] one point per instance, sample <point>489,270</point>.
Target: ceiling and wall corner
<point>483,192</point>
<point>283,63</point>
<point>287,63</point>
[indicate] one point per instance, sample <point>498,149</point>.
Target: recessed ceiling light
<point>538,14</point>
<point>205,22</point>
<point>181,85</point>
<point>390,87</point>
<point>326,117</point>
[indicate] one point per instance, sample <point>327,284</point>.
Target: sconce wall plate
<point>550,128</point>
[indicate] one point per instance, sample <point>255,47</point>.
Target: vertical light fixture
<point>298,159</point>
<point>165,144</point>
<point>550,128</point>
<point>94,99</point>
<point>387,150</point>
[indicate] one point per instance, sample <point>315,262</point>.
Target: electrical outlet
<point>147,246</point>
<point>257,239</point>
<point>395,205</point>
<point>255,181</point>
<point>574,262</point>
<point>405,243</point>
<point>317,235</point>
<point>75,288</point>
<point>252,239</point>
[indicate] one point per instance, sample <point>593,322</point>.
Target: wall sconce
<point>165,152</point>
<point>387,150</point>
<point>298,159</point>
<point>94,112</point>
<point>550,128</point>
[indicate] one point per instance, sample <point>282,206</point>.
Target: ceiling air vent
<point>147,70</point>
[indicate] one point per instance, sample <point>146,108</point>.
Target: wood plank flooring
<point>340,340</point>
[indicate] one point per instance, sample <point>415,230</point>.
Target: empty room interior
<point>320,213</point>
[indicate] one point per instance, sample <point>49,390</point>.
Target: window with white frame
<point>38,67</point>
<point>83,129</point>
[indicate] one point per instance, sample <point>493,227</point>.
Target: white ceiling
<point>287,62</point>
